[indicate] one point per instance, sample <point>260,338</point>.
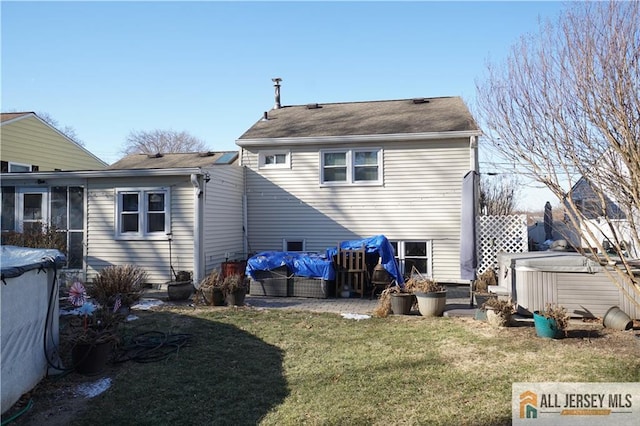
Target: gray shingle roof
<point>171,160</point>
<point>447,114</point>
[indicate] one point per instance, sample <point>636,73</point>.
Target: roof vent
<point>156,155</point>
<point>313,106</point>
<point>265,117</point>
<point>206,154</point>
<point>420,100</point>
<point>276,84</point>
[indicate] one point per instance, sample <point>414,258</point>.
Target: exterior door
<point>31,209</point>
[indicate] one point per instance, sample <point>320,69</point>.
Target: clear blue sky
<point>107,68</point>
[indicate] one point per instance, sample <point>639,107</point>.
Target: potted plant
<point>498,311</point>
<point>431,296</point>
<point>93,333</point>
<point>552,322</point>
<point>235,289</point>
<point>394,299</point>
<point>481,286</point>
<point>212,290</point>
<point>123,282</point>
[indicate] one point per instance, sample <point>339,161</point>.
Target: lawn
<point>275,367</point>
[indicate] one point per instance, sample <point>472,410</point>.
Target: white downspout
<point>473,155</point>
<point>245,221</point>
<point>198,204</point>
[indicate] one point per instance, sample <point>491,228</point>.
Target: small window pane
<point>335,159</point>
<point>75,250</point>
<point>156,202</point>
<point>59,207</point>
<point>295,245</point>
<point>130,202</point>
<point>32,206</point>
<point>415,248</point>
<point>366,158</point>
<point>155,222</point>
<point>366,173</point>
<point>335,175</point>
<point>18,168</point>
<point>420,265</point>
<point>8,208</point>
<point>129,223</point>
<point>76,207</point>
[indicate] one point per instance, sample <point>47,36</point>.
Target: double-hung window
<point>142,213</point>
<point>351,166</point>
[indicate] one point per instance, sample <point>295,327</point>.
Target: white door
<point>31,209</point>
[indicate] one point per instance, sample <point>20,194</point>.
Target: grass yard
<point>277,367</point>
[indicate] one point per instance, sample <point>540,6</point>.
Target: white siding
<point>420,200</point>
<point>223,218</point>
<point>151,255</point>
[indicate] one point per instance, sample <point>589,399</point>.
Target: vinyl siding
<point>419,200</point>
<point>223,219</point>
<point>30,141</point>
<point>151,255</point>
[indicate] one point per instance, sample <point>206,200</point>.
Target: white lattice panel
<point>500,234</point>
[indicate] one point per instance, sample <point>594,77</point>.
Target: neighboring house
<point>322,173</point>
<point>28,143</point>
<point>161,211</point>
<point>590,206</point>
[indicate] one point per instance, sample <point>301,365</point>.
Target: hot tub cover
<point>312,265</point>
<point>16,260</point>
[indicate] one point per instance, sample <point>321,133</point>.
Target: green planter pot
<point>546,327</point>
<point>431,304</point>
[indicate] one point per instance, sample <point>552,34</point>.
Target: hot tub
<point>28,295</point>
<point>579,284</point>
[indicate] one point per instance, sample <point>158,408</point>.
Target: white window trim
<point>401,255</point>
<point>285,241</point>
<point>142,234</point>
<point>28,166</point>
<point>263,154</point>
<point>350,165</point>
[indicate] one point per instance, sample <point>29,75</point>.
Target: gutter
<point>328,140</point>
<point>90,174</point>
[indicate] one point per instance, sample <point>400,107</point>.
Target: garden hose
<point>152,346</point>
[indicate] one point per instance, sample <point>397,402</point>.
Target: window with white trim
<point>19,168</point>
<point>142,213</point>
<point>274,160</point>
<point>411,254</point>
<point>362,166</point>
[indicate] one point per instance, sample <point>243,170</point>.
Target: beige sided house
<point>318,174</point>
<point>173,210</point>
<point>28,143</point>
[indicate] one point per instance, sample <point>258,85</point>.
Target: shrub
<point>127,281</point>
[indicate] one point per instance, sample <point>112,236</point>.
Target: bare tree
<point>498,195</point>
<point>565,105</point>
<point>68,131</point>
<point>162,141</point>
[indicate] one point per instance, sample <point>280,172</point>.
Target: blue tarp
<point>310,265</point>
<point>16,260</point>
<point>376,244</point>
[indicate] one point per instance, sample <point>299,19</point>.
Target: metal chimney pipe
<point>276,85</point>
